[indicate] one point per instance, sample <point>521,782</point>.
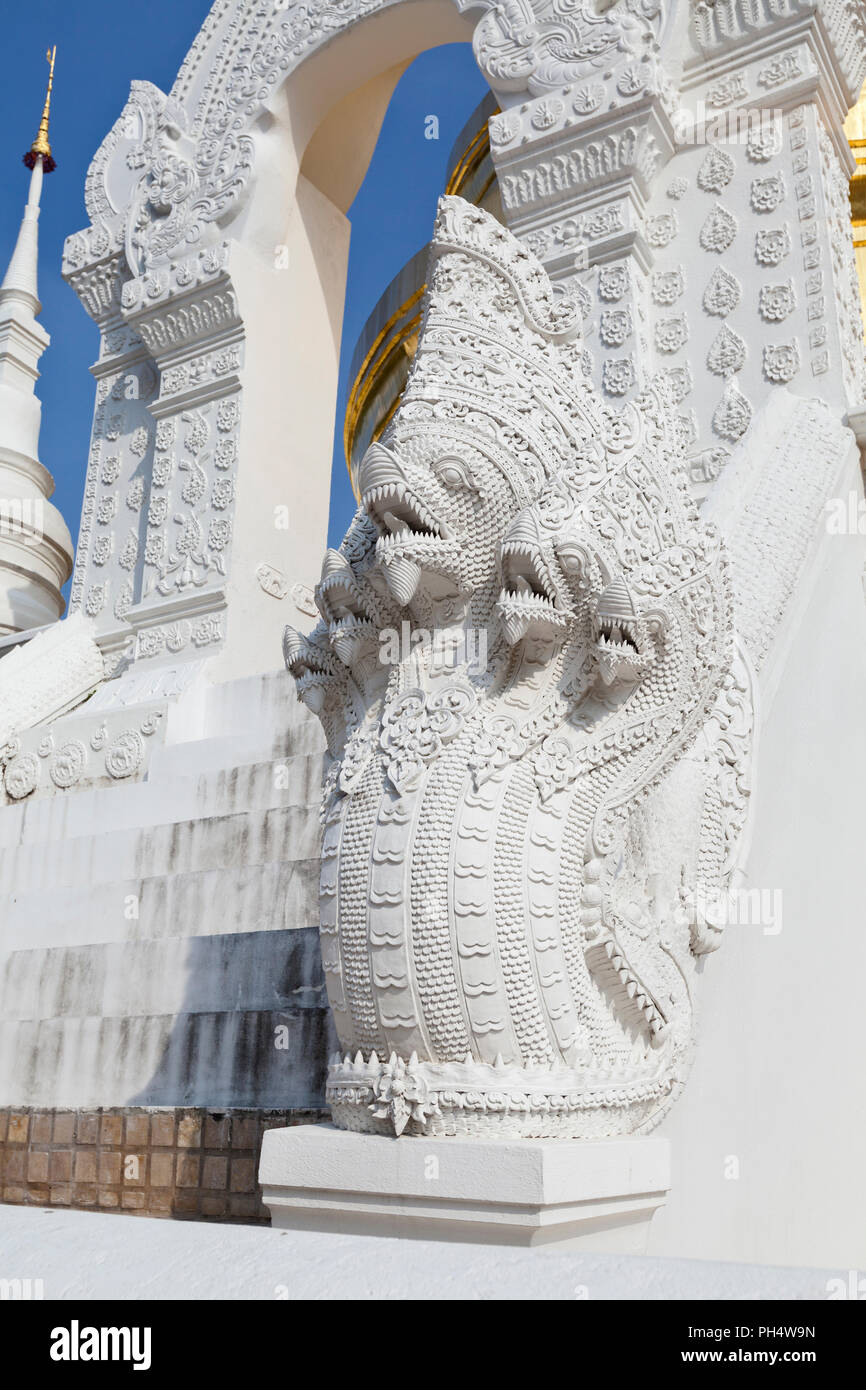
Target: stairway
<point>158,940</point>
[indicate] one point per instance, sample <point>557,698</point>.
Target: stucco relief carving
<point>719,229</point>
<point>495,958</point>
<point>667,286</point>
<point>172,165</point>
<point>776,302</point>
<point>845,286</point>
<point>716,171</point>
<point>717,25</point>
<point>615,325</point>
<point>727,352</point>
<point>723,292</point>
<point>781,361</point>
<point>21,776</point>
<point>766,194</point>
<point>733,414</point>
<point>152,186</point>
<point>540,45</point>
<point>772,246</point>
<point>55,766</point>
<point>115,486</point>
<point>53,672</point>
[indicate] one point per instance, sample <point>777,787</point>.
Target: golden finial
<point>40,145</point>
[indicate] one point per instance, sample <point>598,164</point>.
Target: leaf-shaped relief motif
<point>716,171</point>
<point>718,230</point>
<point>723,292</point>
<point>727,352</point>
<point>732,415</point>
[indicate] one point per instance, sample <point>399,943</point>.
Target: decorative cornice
<point>99,285</point>
<point>539,46</point>
<point>726,29</point>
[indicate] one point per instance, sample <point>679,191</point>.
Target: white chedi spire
<point>35,545</point>
<point>21,279</point>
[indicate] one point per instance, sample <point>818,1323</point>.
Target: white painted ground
<point>89,1255</point>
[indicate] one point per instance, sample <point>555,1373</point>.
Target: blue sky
<point>101,48</point>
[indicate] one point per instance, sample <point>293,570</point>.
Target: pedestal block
<point>597,1195</point>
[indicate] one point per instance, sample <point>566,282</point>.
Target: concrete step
<point>217,1060</point>
<point>258,702</point>
<point>168,1023</point>
<point>79,861</point>
<point>187,795</point>
<point>255,897</point>
<point>200,974</point>
<point>158,938</point>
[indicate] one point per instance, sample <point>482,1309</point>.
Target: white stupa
<point>35,546</point>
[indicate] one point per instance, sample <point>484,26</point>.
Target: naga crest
<point>524,657</point>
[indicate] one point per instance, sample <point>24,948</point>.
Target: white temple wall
<point>177,1004</point>
<point>156,933</point>
<point>769,1138</point>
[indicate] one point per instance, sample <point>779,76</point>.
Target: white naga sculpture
<point>527,675</point>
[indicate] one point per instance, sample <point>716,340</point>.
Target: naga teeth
<point>346,645</point>
<point>402,576</point>
<point>313,697</point>
<point>394,492</point>
<point>380,501</point>
<point>618,636</point>
<point>514,626</point>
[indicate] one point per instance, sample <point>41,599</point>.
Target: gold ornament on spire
<point>41,147</point>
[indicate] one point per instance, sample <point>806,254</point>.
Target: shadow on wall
<point>187,1144</point>
<point>258,1067</point>
<point>254,1029</point>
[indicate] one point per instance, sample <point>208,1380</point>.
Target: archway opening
<point>436,103</point>
<point>351,157</point>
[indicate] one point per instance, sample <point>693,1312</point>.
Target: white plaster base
<point>75,1255</point>
<point>595,1195</point>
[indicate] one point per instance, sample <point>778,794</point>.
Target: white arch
<point>248,165</point>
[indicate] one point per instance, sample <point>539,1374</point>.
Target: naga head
<point>502,909</point>
<point>475,435</point>
<point>602,562</point>
<point>558,580</point>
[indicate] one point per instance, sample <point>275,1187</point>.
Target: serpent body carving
<point>512,844</point>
